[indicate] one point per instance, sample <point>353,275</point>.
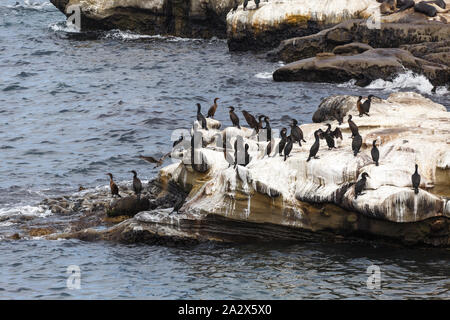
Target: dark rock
<point>364,67</point>
<point>128,206</point>
<point>334,107</point>
<point>351,48</point>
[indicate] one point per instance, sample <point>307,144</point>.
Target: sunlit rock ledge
<point>319,195</point>
<point>274,21</point>
<point>296,200</point>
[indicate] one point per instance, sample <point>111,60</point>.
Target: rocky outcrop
<point>271,199</point>
<point>274,21</point>
<point>184,18</point>
<point>364,67</point>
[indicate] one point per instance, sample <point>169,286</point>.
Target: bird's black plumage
<point>329,138</point>
<point>234,118</point>
<point>352,125</point>
<point>361,184</point>
<point>245,4</point>
<point>288,147</point>
<point>257,3</point>
<point>415,179</point>
<point>247,156</point>
<point>375,152</point>
<point>283,141</point>
<point>366,105</point>
<point>356,144</point>
<point>315,147</point>
<point>296,132</point>
<point>137,184</point>
<point>252,123</point>
<point>201,118</point>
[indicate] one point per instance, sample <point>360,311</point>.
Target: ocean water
<point>76,106</point>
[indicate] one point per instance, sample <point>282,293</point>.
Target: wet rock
<point>364,67</point>
<point>128,206</point>
<point>185,18</point>
<point>391,34</point>
<point>351,48</point>
<point>39,232</point>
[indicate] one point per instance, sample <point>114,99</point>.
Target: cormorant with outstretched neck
<point>361,184</point>
<point>234,118</point>
<point>366,105</point>
<point>296,132</point>
<point>212,110</point>
<point>201,118</point>
<point>329,137</point>
<point>356,144</point>
<point>288,148</point>
<point>252,123</point>
<point>113,186</point>
<point>352,125</point>
<point>315,147</point>
<point>415,179</point>
<point>283,141</point>
<point>375,152</point>
<point>137,184</point>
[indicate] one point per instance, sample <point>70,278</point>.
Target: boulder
<point>364,67</point>
<point>127,206</point>
<point>184,18</point>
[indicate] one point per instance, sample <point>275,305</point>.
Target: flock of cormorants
<point>284,147</point>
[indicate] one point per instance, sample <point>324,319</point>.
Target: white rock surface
<point>409,129</point>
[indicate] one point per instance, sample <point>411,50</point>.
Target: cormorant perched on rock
<point>375,152</point>
<point>212,110</point>
<point>250,120</point>
<point>329,138</point>
<point>234,118</point>
<point>245,4</point>
<point>315,147</point>
<point>288,148</point>
<point>356,144</point>
<point>113,186</point>
<point>268,129</point>
<point>361,184</point>
<point>337,133</point>
<point>359,106</point>
<point>296,132</point>
<point>283,141</point>
<point>415,179</point>
<point>137,184</point>
<point>200,118</point>
<point>175,143</point>
<point>366,105</point>
<point>178,204</point>
<point>269,148</point>
<point>352,125</point>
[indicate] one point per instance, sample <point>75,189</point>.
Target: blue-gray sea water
<point>72,109</point>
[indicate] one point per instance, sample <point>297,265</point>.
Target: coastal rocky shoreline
<point>293,200</point>
<point>322,41</point>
